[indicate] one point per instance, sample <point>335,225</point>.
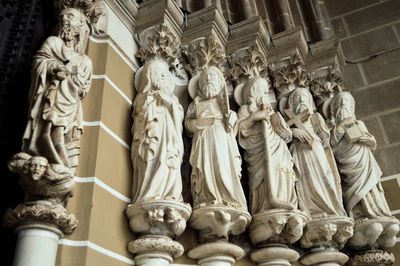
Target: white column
<point>36,247</point>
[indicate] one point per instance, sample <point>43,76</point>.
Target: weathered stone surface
<point>369,43</point>
<point>391,123</point>
<point>382,14</point>
<point>339,7</point>
<point>338,28</point>
<point>377,98</point>
<point>373,128</point>
<point>382,67</point>
<point>388,159</point>
<point>392,187</point>
<point>352,77</point>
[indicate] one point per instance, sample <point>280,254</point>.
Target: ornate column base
<point>155,250</point>
<point>216,254</point>
<point>274,255</point>
<point>325,258</point>
<point>372,258</point>
<point>216,223</point>
<point>39,226</point>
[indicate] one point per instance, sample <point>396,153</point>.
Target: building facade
<point>123,212</point>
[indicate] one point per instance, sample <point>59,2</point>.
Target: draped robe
<point>316,186</point>
<point>215,158</point>
<point>157,148</point>
<point>56,103</point>
<point>362,191</point>
<point>281,184</point>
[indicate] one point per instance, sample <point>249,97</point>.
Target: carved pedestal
<point>277,255</point>
<point>157,222</point>
<point>324,237</point>
<point>273,232</point>
<point>372,257</point>
<point>218,253</point>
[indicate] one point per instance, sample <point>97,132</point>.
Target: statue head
<point>211,82</point>
<point>73,29</point>
<point>37,167</point>
<point>255,92</point>
<point>156,76</point>
<point>343,107</point>
<point>300,100</point>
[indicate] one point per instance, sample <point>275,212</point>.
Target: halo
<point>326,108</point>
<point>238,94</point>
<point>193,86</point>
<point>138,77</point>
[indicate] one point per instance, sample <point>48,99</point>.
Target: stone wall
<point>367,28</point>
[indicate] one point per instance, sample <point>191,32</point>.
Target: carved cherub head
<point>37,167</point>
<point>211,82</point>
<point>300,100</point>
<point>73,29</point>
<point>342,107</point>
<point>156,76</point>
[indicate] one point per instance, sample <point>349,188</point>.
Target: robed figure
<point>318,188</point>
<point>215,157</point>
<point>263,134</point>
<point>157,146</point>
<point>353,145</point>
<point>61,78</point>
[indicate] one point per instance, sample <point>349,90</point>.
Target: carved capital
<point>289,74</point>
<point>248,63</point>
<point>41,212</point>
<point>158,217</point>
<point>328,232</point>
<point>277,226</point>
<point>379,232</point>
<point>203,53</point>
<point>159,42</point>
<point>217,222</point>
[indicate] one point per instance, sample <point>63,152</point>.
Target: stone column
<point>157,216</point>
<point>204,45</point>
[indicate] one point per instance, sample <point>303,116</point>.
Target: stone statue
<point>363,194</point>
<point>61,78</point>
<point>317,187</point>
<point>263,134</point>
<point>157,146</point>
<point>219,204</point>
<point>215,156</point>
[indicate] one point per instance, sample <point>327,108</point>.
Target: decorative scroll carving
<point>41,212</point>
<point>363,194</point>
<point>203,53</point>
<point>215,157</point>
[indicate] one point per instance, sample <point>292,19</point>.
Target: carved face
<point>302,100</point>
<point>161,78</point>
<point>260,92</point>
<point>71,21</point>
<point>344,106</point>
<point>210,82</point>
<point>37,167</point>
